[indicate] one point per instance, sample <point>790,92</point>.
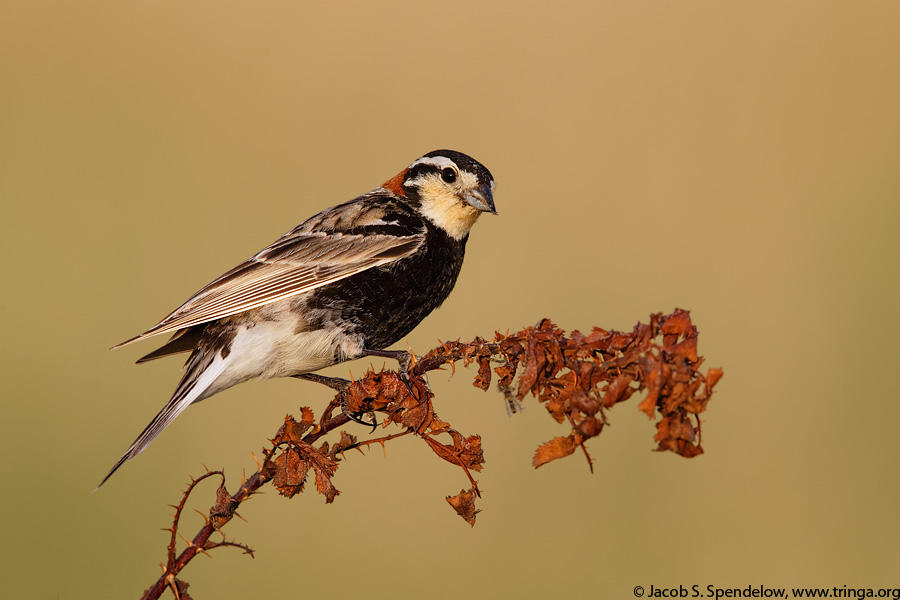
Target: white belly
<point>275,349</point>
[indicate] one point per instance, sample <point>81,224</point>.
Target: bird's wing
<point>303,259</point>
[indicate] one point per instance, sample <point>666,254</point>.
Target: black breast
<point>384,304</point>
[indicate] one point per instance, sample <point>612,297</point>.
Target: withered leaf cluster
<point>409,404</point>
<point>577,377</point>
<point>580,377</point>
<point>291,458</point>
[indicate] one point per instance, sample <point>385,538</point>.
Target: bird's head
<point>449,188</point>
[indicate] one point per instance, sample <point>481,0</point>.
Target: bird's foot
<point>342,386</point>
<point>404,359</point>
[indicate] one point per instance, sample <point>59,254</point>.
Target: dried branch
<point>577,377</point>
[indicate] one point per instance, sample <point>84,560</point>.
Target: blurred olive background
<point>737,159</point>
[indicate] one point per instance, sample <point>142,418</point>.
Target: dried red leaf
<point>589,427</point>
<point>307,417</point>
<point>464,505</point>
<point>558,408</point>
<point>678,323</point>
<point>483,379</point>
<point>534,363</point>
<point>598,339</point>
<point>323,482</point>
<point>564,385</point>
<point>688,450</point>
<point>586,374</point>
<point>677,434</point>
<point>616,390</point>
<point>333,452</point>
<point>506,373</point>
<point>290,473</point>
<point>713,375</point>
<point>182,587</point>
<point>414,417</point>
<point>586,404</point>
<point>558,447</point>
<point>223,510</point>
<point>619,341</point>
<point>687,348</point>
<point>437,426</point>
<point>392,387</point>
<point>653,381</point>
<point>464,451</point>
<point>471,455</point>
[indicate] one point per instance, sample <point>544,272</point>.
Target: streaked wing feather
<point>184,340</point>
<point>297,263</point>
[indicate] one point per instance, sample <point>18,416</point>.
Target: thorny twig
<point>577,377</point>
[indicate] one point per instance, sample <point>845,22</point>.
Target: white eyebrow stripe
<point>438,161</point>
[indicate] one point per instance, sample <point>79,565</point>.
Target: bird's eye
<point>448,175</point>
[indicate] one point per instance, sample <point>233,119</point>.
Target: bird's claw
<point>342,387</point>
<point>356,417</point>
<point>406,360</point>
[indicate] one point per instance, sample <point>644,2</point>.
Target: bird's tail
<point>193,387</point>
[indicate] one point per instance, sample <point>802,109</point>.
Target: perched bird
<point>344,284</point>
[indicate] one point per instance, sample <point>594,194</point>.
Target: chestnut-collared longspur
<point>344,284</point>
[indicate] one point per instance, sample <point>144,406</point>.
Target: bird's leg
<point>336,383</point>
<point>403,358</point>
<point>341,386</point>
